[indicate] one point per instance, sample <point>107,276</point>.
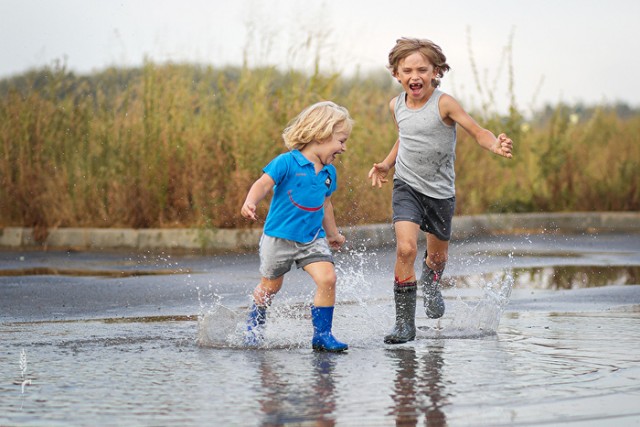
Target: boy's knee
<point>264,292</point>
<point>437,261</point>
<point>406,251</point>
<point>328,280</point>
<point>327,283</point>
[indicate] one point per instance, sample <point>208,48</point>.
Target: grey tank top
<point>427,150</point>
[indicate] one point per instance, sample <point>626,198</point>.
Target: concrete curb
<point>373,235</point>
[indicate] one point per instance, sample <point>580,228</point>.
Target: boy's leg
<point>404,288</point>
<point>433,266</point>
<point>262,296</point>
<point>437,253</point>
<point>266,289</point>
<point>324,274</point>
<point>406,250</point>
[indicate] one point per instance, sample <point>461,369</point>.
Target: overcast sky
<point>562,50</point>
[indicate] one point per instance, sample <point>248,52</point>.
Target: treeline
<point>179,146</point>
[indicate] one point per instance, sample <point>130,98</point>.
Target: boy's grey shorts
<point>278,255</point>
<point>434,216</point>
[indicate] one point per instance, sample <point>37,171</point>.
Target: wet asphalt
<point>61,285</point>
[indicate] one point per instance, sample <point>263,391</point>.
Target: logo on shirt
<point>327,182</point>
<point>304,208</point>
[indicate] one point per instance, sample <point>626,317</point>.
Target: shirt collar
<point>302,160</point>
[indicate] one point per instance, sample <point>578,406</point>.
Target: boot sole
<point>431,314</point>
<point>434,314</point>
<point>398,341</point>
<point>326,350</point>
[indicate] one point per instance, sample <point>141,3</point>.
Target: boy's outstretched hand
<point>378,174</point>
<point>504,146</point>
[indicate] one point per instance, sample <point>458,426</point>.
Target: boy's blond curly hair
<point>316,123</point>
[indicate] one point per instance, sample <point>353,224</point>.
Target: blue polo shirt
<point>297,206</point>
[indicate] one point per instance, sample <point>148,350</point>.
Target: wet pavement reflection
<point>419,389</point>
<point>538,330</point>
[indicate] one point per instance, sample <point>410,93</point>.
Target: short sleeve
<point>278,167</point>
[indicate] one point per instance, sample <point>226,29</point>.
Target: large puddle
<point>539,368</point>
<point>558,277</point>
<point>533,340</point>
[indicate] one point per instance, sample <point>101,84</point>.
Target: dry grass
<point>179,146</point>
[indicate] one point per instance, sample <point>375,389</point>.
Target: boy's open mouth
<point>415,86</point>
<point>332,157</point>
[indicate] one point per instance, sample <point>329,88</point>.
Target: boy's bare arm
<point>379,171</point>
<point>335,239</point>
<point>502,145</point>
<point>258,191</point>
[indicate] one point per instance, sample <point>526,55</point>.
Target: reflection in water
<point>573,277</point>
<point>559,277</point>
<point>418,387</point>
<point>292,397</point>
<point>541,368</point>
<point>324,387</point>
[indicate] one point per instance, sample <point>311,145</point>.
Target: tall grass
<point>179,146</point>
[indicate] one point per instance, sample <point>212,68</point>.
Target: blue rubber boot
<point>323,340</point>
<point>255,325</point>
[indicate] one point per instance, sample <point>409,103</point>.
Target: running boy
<point>424,181</point>
<point>300,226</point>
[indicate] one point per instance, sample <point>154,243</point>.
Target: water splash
<point>364,311</point>
<point>474,304</point>
<point>288,326</point>
<point>355,270</point>
<point>474,312</point>
<point>218,327</point>
<point>23,370</point>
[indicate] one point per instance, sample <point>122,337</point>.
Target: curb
<point>373,235</point>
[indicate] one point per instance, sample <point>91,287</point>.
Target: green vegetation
<point>179,146</point>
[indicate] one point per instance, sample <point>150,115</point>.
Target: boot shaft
<point>323,339</point>
<point>404,329</point>
<point>257,315</point>
<point>404,296</point>
<point>322,319</point>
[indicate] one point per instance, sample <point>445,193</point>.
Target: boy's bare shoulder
<point>392,103</point>
<point>448,102</point>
